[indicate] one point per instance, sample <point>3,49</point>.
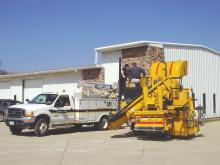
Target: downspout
<point>23,86</point>
<point>96,57</point>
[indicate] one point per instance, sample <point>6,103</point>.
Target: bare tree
<point>2,71</point>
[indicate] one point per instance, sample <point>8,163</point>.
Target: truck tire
<point>41,127</point>
<point>103,123</point>
<point>15,130</point>
<point>2,116</point>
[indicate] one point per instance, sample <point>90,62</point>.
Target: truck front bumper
<point>24,122</point>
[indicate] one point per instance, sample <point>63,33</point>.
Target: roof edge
<point>144,43</point>
<point>45,72</point>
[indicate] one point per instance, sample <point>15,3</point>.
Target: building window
<point>204,102</point>
<point>214,103</point>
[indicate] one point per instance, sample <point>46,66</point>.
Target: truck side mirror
<point>27,100</point>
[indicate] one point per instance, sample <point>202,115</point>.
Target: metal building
<point>203,72</point>
<point>203,68</point>
<point>24,86</point>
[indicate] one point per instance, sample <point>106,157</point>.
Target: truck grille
<point>15,112</point>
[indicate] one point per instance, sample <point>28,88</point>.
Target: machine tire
<point>103,123</point>
<point>41,127</point>
<point>15,130</point>
<point>138,133</point>
<point>168,136</point>
<point>2,117</point>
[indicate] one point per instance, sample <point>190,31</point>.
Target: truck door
<point>63,112</point>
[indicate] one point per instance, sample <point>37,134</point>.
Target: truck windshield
<point>44,99</point>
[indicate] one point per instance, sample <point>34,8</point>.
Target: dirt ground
<point>88,147</point>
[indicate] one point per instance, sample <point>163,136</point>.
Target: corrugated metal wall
<point>203,74</point>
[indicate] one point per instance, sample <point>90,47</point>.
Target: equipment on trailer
<point>163,105</point>
<point>97,90</point>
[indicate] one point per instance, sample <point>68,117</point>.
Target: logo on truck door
<point>61,110</point>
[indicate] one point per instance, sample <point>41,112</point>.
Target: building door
<point>110,63</point>
<point>32,88</point>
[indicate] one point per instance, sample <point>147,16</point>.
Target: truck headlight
<point>29,114</point>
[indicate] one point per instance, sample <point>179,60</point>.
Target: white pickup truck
<point>52,110</point>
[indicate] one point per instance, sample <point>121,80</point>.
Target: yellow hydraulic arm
<point>125,113</point>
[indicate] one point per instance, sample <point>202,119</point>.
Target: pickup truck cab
<point>53,110</point>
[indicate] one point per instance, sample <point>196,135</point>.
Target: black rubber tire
<point>41,127</point>
<point>15,130</point>
<point>103,123</point>
<point>167,135</point>
<point>138,133</point>
<point>2,117</point>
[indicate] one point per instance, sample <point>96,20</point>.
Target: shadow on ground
<point>68,130</point>
<point>154,137</point>
<point>60,131</point>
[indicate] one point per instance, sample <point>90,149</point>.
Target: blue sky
<point>46,34</point>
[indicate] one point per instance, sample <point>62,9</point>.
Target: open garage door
<point>4,90</point>
<point>32,88</point>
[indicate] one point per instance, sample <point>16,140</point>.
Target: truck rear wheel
<point>15,130</point>
<point>41,127</point>
<point>103,123</point>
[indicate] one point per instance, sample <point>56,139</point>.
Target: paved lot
<point>88,147</point>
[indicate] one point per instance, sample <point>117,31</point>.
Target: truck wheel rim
<point>104,123</point>
<point>43,128</point>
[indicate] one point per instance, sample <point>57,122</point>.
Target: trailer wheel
<point>103,123</point>
<point>2,116</point>
<point>15,130</point>
<point>41,127</point>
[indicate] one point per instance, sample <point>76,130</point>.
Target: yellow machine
<point>163,106</point>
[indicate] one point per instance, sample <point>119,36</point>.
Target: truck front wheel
<point>15,130</point>
<point>41,127</point>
